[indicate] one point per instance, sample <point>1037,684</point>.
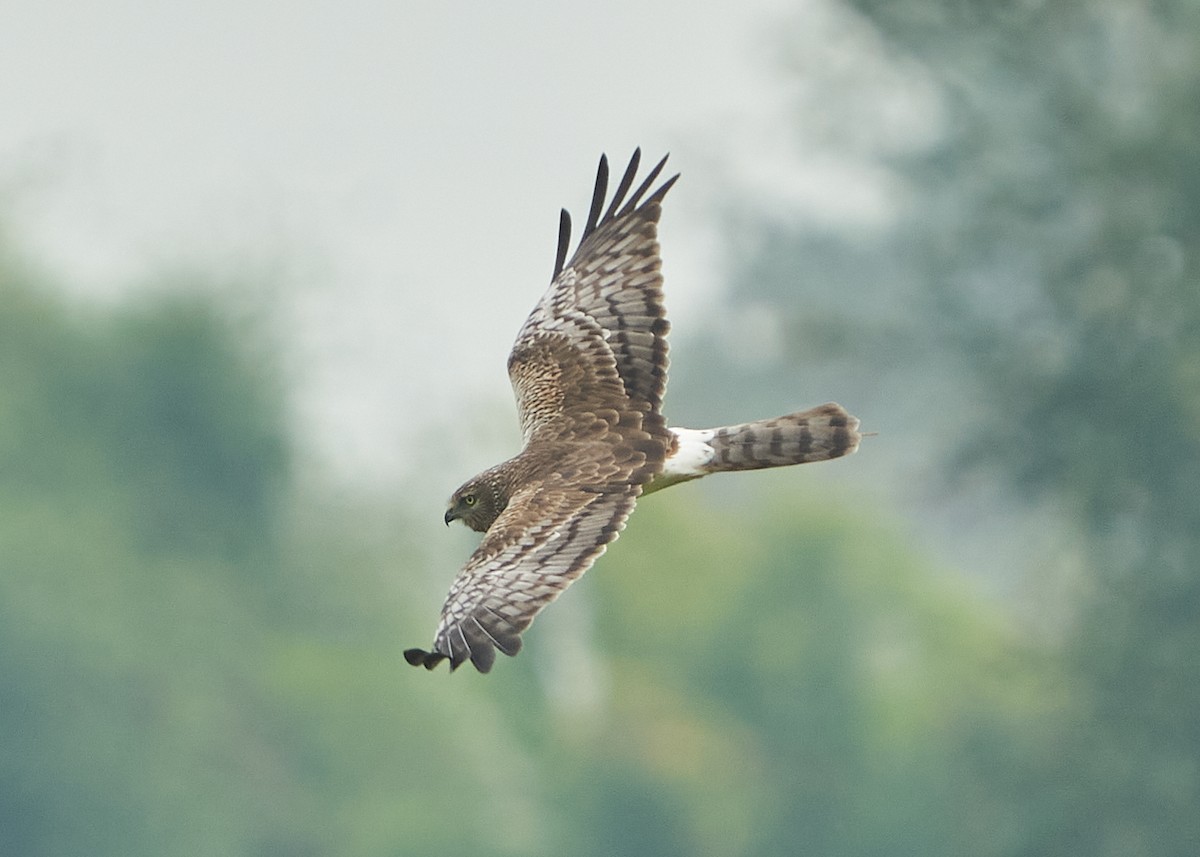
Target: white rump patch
<point>693,453</point>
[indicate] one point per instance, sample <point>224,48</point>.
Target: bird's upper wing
<point>615,280</point>
<point>550,533</point>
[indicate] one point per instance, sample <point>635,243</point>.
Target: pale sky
<point>395,168</point>
<point>393,172</point>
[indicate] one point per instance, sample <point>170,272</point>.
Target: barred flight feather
<point>589,370</point>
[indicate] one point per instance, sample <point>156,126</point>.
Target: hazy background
<point>259,274</point>
<point>393,170</point>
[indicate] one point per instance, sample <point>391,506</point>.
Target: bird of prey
<point>589,369</point>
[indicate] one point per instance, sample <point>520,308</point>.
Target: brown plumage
<point>589,369</point>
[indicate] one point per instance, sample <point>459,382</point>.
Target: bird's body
<point>589,369</point>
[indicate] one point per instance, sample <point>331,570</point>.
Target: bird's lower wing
<point>550,534</point>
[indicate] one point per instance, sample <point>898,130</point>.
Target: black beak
<point>450,516</point>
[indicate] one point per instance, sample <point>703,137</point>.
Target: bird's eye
<point>469,499</point>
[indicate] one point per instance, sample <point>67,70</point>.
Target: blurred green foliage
<point>1032,319</point>
<point>198,659</point>
<point>200,656</point>
<point>1071,167</point>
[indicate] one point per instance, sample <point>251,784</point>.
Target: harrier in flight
<point>589,369</point>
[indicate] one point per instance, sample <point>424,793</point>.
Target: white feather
<point>692,454</point>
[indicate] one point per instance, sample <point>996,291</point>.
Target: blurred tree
<point>142,464</point>
<point>192,652</point>
<point>198,659</point>
<point>783,677</point>
<point>1088,191</point>
<point>1048,248</point>
<point>164,685</point>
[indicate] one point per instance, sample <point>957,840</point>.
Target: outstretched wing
<point>589,369</point>
<point>550,533</point>
<point>614,278</point>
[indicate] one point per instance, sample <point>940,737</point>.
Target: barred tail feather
<point>817,434</point>
<point>820,433</point>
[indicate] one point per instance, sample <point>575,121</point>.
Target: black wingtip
<point>422,658</point>
<point>625,184</point>
<point>598,194</point>
<point>636,199</point>
<point>618,207</point>
<point>564,241</point>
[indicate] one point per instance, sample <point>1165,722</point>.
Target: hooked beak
<point>450,516</point>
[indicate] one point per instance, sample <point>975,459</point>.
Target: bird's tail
<point>817,434</point>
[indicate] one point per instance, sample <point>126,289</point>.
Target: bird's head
<point>477,504</point>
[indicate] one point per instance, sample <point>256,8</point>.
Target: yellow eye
<point>469,499</point>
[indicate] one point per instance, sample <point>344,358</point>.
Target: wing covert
<point>614,278</point>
